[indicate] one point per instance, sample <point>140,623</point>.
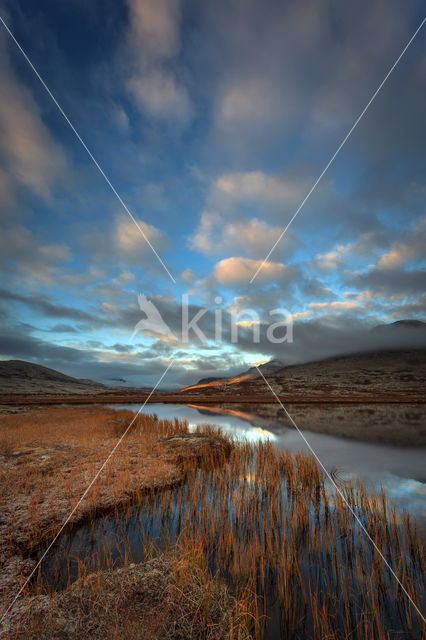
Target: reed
<point>168,597</point>
<point>266,531</point>
<point>49,457</point>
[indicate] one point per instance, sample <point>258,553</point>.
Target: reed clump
<point>50,455</point>
<point>272,528</point>
<point>269,524</point>
<point>168,597</point>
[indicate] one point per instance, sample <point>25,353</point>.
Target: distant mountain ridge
<point>367,372</point>
<point>371,374</point>
<point>252,372</point>
<point>401,324</point>
<point>208,380</point>
<point>268,368</point>
<point>21,377</point>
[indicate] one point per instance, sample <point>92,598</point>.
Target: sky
<point>212,121</point>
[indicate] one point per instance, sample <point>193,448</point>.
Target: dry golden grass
<point>49,457</point>
<point>267,522</point>
<point>271,521</point>
<point>168,597</point>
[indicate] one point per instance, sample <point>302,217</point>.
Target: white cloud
<point>331,259</point>
<point>409,249</point>
<point>154,28</point>
<point>129,241</point>
<point>188,276</point>
<point>342,305</point>
<point>29,152</point>
<point>361,301</point>
<point>257,186</point>
<point>366,245</point>
<point>159,94</point>
<point>237,270</point>
<point>300,315</point>
<point>248,103</point>
<point>33,260</point>
<point>231,195</point>
<point>203,239</point>
<point>153,41</point>
<point>254,237</point>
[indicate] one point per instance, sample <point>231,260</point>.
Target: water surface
<point>214,503</point>
<point>399,470</point>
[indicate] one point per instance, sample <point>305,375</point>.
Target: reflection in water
<point>271,520</point>
<point>267,521</point>
<point>399,470</point>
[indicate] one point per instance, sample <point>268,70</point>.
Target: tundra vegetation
<point>234,535</point>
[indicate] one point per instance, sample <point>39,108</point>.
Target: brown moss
<point>50,456</point>
<point>170,597</point>
<point>189,449</point>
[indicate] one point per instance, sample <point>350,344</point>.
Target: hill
<point>22,378</point>
<point>400,325</point>
<point>266,368</point>
<point>369,375</point>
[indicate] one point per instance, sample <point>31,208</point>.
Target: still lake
<point>401,471</point>
<point>115,538</point>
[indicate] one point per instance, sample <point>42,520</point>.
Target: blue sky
<point>212,120</point>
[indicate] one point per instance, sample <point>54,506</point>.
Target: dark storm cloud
<point>47,308</point>
<point>27,347</point>
<point>78,362</point>
<point>343,331</point>
<point>388,282</point>
<point>62,328</point>
<point>143,370</point>
<point>315,340</point>
<point>415,309</point>
<point>314,289</point>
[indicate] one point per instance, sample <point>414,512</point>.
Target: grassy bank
<point>168,597</point>
<point>49,457</point>
<point>263,536</point>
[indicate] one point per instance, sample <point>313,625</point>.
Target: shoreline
<point>20,400</point>
<point>42,455</point>
<point>46,442</point>
<point>397,422</point>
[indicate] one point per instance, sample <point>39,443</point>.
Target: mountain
<point>266,367</point>
<point>20,377</point>
<point>401,324</point>
<point>368,375</point>
<point>386,365</point>
<point>208,380</point>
